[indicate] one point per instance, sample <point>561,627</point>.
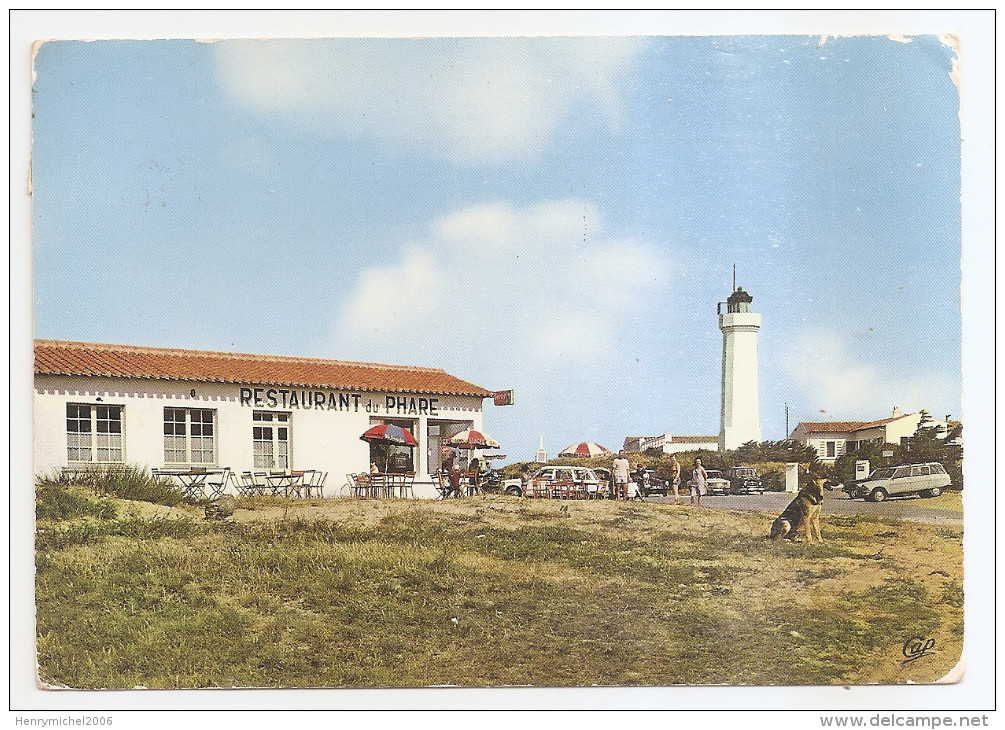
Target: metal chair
<point>405,485</point>
<point>446,487</point>
<point>245,484</point>
<point>295,484</point>
<point>318,483</point>
<point>378,485</point>
<point>540,489</point>
<point>362,484</point>
<point>218,486</point>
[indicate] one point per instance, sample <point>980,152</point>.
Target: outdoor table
<point>192,480</point>
<point>288,483</point>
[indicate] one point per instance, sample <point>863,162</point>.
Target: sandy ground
<point>923,544</point>
<point>947,509</point>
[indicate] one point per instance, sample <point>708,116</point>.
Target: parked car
<point>576,474</point>
<point>649,483</point>
<point>715,483</point>
<point>744,480</point>
<point>926,480</point>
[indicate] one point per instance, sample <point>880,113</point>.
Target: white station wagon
<point>926,480</point>
<point>576,474</point>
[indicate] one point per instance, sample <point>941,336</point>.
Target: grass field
<point>486,591</point>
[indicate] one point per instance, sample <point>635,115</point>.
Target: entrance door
<point>437,435</point>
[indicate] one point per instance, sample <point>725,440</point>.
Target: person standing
<point>698,478</point>
<point>675,478</point>
<point>620,470</point>
<point>474,476</point>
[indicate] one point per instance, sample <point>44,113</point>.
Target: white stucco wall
<point>320,438</point>
<point>676,448</point>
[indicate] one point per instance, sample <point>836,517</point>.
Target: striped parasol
<point>390,434</point>
<point>472,439</point>
<point>583,449</point>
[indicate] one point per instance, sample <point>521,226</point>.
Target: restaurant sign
<point>502,398</point>
<point>332,401</point>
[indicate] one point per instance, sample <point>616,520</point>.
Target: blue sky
<point>556,216</point>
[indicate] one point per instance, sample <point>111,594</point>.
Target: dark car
<point>744,480</point>
<point>649,483</point>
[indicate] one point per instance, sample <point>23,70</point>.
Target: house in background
<point>670,444</point>
<point>833,439</point>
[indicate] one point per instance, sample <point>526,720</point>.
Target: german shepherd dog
<point>802,516</point>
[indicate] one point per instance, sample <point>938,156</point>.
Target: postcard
<point>624,361</point>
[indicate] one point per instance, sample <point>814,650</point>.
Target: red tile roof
<point>828,426</point>
<point>882,422</point>
<point>125,361</point>
<point>836,426</point>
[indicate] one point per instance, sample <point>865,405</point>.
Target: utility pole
<point>786,421</point>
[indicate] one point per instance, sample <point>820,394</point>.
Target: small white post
<point>792,477</point>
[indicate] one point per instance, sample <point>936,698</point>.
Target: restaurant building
<point>100,404</point>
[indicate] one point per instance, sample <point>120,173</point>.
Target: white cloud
<point>839,384</point>
<point>487,101</point>
<point>520,284</point>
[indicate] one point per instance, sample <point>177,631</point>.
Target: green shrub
<point>57,502</point>
<point>122,481</point>
<point>773,481</point>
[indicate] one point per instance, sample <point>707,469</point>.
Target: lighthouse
<point>740,416</point>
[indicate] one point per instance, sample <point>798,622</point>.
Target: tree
<point>786,450</point>
<point>929,444</point>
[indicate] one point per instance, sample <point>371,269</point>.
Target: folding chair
<point>446,488</point>
<point>362,483</point>
<point>295,485</point>
<point>564,489</point>
<point>350,481</point>
<point>540,489</point>
<point>318,483</point>
<point>378,485</point>
<point>245,484</point>
<point>217,486</point>
<point>405,485</point>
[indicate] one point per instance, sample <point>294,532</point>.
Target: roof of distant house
<point>829,426</point>
<point>882,422</point>
<point>694,439</point>
<point>838,426</point>
<point>53,357</point>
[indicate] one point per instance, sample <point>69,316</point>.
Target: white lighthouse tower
<point>741,420</point>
